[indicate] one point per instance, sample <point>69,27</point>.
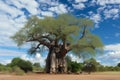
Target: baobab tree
<point>60,35</point>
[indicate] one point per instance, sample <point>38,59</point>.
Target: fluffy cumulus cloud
<point>105,2</point>
<point>96,18</point>
<point>19,4</point>
<point>78,6</point>
<point>107,9</point>
<point>98,10</point>
<point>111,56</point>
<point>5,61</point>
<point>59,9</point>
<point>6,55</point>
<point>113,47</point>
<point>78,1</point>
<point>75,58</point>
<point>112,13</point>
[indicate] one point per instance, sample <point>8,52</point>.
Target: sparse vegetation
<point>26,66</point>
<point>73,67</point>
<point>37,67</point>
<point>17,70</point>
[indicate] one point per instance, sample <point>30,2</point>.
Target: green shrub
<point>5,69</point>
<point>76,67</point>
<point>26,66</point>
<point>37,67</point>
<point>18,71</point>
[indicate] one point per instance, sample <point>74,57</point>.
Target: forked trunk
<point>55,63</point>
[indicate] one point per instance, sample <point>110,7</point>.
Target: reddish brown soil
<point>61,77</point>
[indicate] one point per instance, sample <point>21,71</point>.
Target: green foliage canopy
<point>62,29</point>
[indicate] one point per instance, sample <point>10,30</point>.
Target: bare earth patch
<point>96,76</point>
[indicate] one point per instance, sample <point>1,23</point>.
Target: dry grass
<point>93,76</point>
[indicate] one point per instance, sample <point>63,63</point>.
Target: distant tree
<point>76,67</point>
<point>100,68</point>
<point>24,65</point>
<point>1,64</point>
<point>60,35</point>
<point>37,67</point>
<point>118,64</point>
<point>4,68</point>
<point>109,68</point>
<point>90,65</point>
<point>116,68</point>
<point>36,64</point>
<point>73,66</point>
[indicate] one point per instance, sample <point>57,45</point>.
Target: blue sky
<point>104,13</point>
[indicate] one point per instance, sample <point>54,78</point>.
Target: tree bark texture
<point>55,62</point>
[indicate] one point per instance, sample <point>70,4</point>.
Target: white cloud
<point>50,2</point>
<point>112,13</point>
<point>59,9</point>
<point>111,56</point>
<point>78,6</point>
<point>114,54</point>
<point>78,1</point>
<point>9,24</point>
<point>113,47</point>
<point>104,2</point>
<point>5,61</point>
<point>32,8</point>
<point>46,13</point>
<point>12,11</point>
<point>101,9</point>
<point>96,18</point>
<point>75,58</point>
<point>54,6</point>
<point>7,52</point>
<point>106,11</point>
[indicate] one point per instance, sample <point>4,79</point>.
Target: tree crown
<point>64,30</point>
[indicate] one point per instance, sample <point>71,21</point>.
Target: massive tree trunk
<point>55,62</point>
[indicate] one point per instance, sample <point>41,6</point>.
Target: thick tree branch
<point>41,41</point>
<point>38,46</point>
<point>47,37</point>
<point>83,33</point>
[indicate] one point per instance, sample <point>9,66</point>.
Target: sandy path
<point>60,77</point>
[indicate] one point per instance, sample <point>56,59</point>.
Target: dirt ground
<point>62,77</point>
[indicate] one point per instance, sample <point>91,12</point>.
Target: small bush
<point>18,71</point>
<point>26,66</point>
<point>5,69</point>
